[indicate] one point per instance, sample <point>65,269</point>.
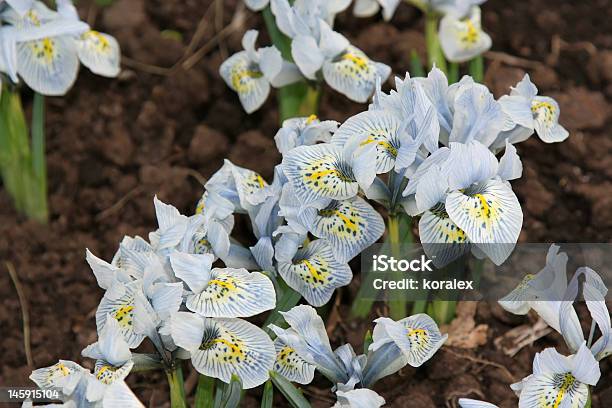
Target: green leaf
<point>286,301</point>
<point>367,340</point>
<point>416,66</point>
<point>205,393</point>
<point>268,395</point>
<point>231,394</point>
<point>291,394</point>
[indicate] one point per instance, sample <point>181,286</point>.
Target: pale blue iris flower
<point>305,131</point>
<point>462,37</point>
<point>530,113</point>
<point>412,340</point>
<point>464,197</point>
<point>44,47</point>
<point>251,72</point>
<point>222,347</point>
<point>320,51</point>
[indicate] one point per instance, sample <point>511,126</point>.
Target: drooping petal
<point>49,65</point>
<point>417,336</point>
<point>315,273</point>
<point>234,346</point>
<point>290,365</point>
<point>233,293</point>
<point>349,226</point>
<point>443,241</point>
<point>245,78</point>
<point>62,376</point>
<point>108,373</point>
<point>491,218</point>
<point>553,389</point>
<point>354,75</point>
<point>319,171</point>
<point>546,116</point>
<point>100,53</point>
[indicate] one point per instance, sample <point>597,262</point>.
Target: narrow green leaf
<point>231,394</point>
<point>287,300</point>
<point>289,391</point>
<point>268,395</point>
<point>38,194</point>
<point>416,66</point>
<point>205,393</point>
<point>367,340</point>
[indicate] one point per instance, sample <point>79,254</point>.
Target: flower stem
<point>177,390</point>
<point>397,307</point>
<point>434,51</point>
<point>301,98</point>
<point>477,68</point>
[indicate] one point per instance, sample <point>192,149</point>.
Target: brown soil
<point>113,144</point>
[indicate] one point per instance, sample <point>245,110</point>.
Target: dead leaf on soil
<point>514,340</point>
<point>463,331</point>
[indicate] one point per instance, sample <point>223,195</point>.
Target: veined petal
<point>443,241</point>
<point>373,127</point>
<point>359,398</point>
<point>100,53</point>
<point>245,78</point>
<point>49,65</point>
<point>470,403</point>
<point>315,273</point>
<point>119,394</point>
<point>307,336</point>
<point>553,390</point>
<point>319,171</point>
<point>307,55</point>
<point>510,165</point>
<point>108,373</point>
<point>233,293</point>
<point>349,226</point>
<point>491,218</point>
<point>290,365</point>
<point>417,336</point>
<point>234,346</point>
<point>546,116</point>
<point>354,75</point>
<point>463,39</point>
<point>122,309</point>
<point>62,376</point>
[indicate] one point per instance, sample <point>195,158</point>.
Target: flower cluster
<point>44,47</point>
<point>435,144</point>
<point>304,347</point>
<point>460,30</point>
<point>318,53</point>
<point>559,380</point>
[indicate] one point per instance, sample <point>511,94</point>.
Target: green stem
<point>39,209</point>
<point>434,51</point>
<point>477,68</point>
<point>453,72</point>
<point>177,388</point>
<point>205,393</point>
<point>301,98</point>
<point>397,307</point>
